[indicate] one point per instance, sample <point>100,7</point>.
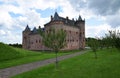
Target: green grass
<point>10,56</point>
<point>7,53</point>
<point>84,66</point>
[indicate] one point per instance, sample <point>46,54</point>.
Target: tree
<point>113,39</point>
<point>117,43</point>
<point>94,45</point>
<point>54,39</point>
<point>116,39</point>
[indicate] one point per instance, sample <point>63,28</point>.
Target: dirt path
<point>8,72</point>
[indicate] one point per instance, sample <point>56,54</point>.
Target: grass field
<point>84,66</point>
<point>10,56</point>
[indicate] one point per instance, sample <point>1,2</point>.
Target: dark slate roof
<point>79,18</point>
<point>34,30</point>
<point>65,20</point>
<point>56,16</point>
<point>27,28</point>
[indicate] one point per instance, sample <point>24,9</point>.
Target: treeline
<point>111,40</point>
<point>16,45</point>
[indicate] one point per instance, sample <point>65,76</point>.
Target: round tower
<point>81,24</point>
<point>26,39</point>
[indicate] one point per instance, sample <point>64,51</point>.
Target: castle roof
<point>79,18</point>
<point>65,20</point>
<point>34,30</point>
<point>27,28</point>
<point>56,16</point>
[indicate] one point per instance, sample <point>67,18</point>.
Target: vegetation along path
<point>8,72</point>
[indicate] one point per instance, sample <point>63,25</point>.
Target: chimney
<point>51,18</point>
<point>67,18</point>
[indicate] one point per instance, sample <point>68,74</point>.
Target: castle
<point>75,30</point>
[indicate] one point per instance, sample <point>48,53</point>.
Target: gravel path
<point>8,72</point>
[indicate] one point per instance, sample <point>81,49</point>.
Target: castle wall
<point>35,42</point>
<point>72,39</point>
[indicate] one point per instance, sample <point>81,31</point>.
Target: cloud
<point>97,31</point>
<point>16,14</point>
<point>2,32</point>
<point>104,7</point>
<point>113,20</point>
<point>110,10</point>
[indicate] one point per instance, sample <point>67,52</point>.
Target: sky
<point>100,16</point>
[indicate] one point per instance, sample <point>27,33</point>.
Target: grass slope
<point>7,53</point>
<point>84,66</point>
<point>10,56</point>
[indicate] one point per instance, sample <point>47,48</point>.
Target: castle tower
<point>26,40</point>
<point>81,24</point>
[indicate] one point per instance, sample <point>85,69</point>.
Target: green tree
<point>116,39</point>
<point>94,45</point>
<point>54,39</point>
<point>113,39</point>
<point>117,43</point>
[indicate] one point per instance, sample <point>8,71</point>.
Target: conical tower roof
<point>27,28</point>
<point>79,18</point>
<point>34,30</point>
<point>56,16</point>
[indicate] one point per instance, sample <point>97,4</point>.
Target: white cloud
<point>97,31</point>
<point>10,37</point>
<point>11,27</point>
<point>2,32</point>
<point>114,20</point>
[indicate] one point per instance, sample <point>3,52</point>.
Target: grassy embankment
<point>84,66</point>
<point>10,56</point>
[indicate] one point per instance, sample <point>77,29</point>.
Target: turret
<point>34,30</point>
<point>81,25</point>
<point>27,28</point>
<point>26,39</point>
<point>79,18</point>
<point>56,16</point>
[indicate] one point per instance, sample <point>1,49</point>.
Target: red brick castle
<point>75,30</point>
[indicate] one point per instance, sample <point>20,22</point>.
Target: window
<point>31,42</point>
<point>73,40</point>
<point>65,30</point>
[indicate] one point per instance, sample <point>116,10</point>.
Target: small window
<point>68,40</point>
<point>24,37</point>
<point>65,30</point>
<point>73,40</point>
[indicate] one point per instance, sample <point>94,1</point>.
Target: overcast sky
<point>100,15</point>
